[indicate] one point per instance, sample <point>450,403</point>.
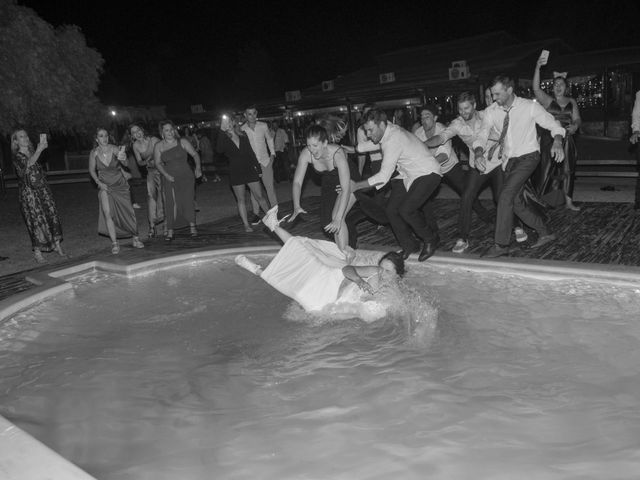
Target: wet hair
<point>430,107</point>
<point>396,259</point>
<point>467,97</point>
<point>376,115</point>
<point>504,80</point>
<point>317,131</point>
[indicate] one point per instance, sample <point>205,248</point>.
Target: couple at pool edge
<point>317,275</point>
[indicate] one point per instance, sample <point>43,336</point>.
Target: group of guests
<point>522,148</point>
<point>170,187</point>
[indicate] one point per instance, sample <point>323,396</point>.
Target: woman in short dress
<point>244,168</point>
<point>565,110</point>
<point>330,161</point>
<point>142,146</point>
<point>36,200</point>
<point>170,157</point>
<point>117,218</point>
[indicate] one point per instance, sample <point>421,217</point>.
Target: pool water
<point>203,371</point>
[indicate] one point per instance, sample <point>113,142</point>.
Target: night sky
<point>223,54</point>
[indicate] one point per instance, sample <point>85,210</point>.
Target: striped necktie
<point>503,135</point>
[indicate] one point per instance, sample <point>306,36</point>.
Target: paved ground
<point>607,222</point>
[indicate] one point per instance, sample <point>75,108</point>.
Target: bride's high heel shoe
<point>270,218</point>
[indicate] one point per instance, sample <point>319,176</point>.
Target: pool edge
<point>18,449</point>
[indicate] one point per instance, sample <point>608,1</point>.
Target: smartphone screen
<point>224,123</point>
<point>544,56</point>
<point>43,137</point>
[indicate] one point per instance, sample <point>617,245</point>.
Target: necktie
<point>503,135</point>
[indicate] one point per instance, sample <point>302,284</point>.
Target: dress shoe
<point>543,240</point>
<point>428,249</point>
<point>496,251</point>
<point>406,253</point>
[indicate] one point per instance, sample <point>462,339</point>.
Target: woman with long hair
<point>117,218</point>
<point>330,161</point>
<point>171,159</point>
<point>244,168</point>
<point>34,194</point>
<point>142,146</point>
<point>565,110</point>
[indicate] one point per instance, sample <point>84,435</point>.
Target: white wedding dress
<point>310,272</point>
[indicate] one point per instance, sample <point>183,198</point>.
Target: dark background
<point>222,54</point>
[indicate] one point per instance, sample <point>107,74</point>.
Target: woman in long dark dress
<point>117,218</point>
<point>330,161</point>
<point>171,159</point>
<point>565,110</point>
<point>244,168</point>
<point>36,200</point>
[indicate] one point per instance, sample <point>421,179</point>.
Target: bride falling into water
<point>316,275</point>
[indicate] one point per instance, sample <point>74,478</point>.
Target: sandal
<point>115,248</point>
<point>152,231</point>
<point>193,230</point>
<point>136,243</point>
<point>168,237</point>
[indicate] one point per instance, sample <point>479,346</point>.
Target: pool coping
<point>18,449</point>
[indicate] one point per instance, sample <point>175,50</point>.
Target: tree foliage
<point>48,76</point>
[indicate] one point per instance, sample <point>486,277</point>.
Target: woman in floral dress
<point>36,200</point>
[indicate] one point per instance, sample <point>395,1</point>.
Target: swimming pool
<point>195,369</point>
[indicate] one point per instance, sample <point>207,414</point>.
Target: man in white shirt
<point>262,145</point>
<point>515,119</point>
<point>635,135</point>
<point>365,146</point>
<point>418,177</point>
<point>466,126</point>
<point>452,173</point>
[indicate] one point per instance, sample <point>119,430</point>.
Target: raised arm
<point>541,96</point>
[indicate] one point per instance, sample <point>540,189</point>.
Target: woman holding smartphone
<point>565,110</point>
<point>117,218</point>
<point>243,166</point>
<point>36,200</point>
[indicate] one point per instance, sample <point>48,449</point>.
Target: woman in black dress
<point>243,166</point>
<point>36,200</point>
<point>565,110</point>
